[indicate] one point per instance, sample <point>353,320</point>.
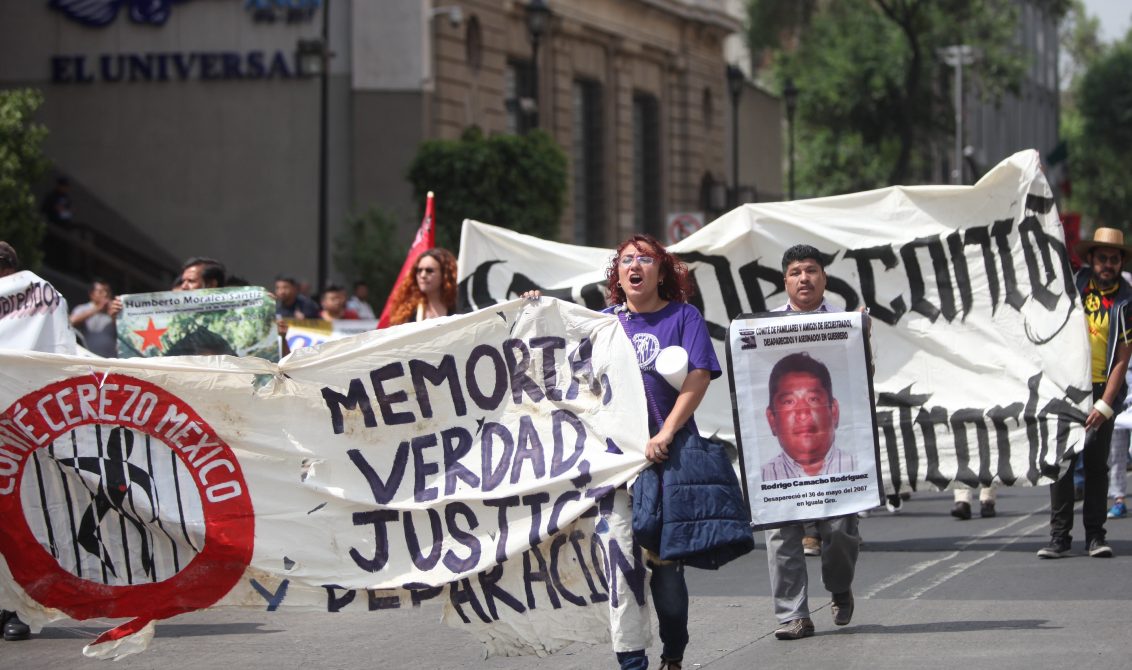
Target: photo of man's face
<point>803,416</point>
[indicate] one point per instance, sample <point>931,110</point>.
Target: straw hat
<point>1111,238</point>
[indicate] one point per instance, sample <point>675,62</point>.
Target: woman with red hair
<point>429,291</point>
<point>648,291</point>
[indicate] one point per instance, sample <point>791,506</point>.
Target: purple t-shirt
<point>675,324</point>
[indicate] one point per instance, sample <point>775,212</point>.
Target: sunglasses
<point>1102,257</point>
<point>640,258</point>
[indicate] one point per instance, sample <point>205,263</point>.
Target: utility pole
<point>957,56</point>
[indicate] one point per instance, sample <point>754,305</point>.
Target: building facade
<point>193,123</point>
<point>1027,119</point>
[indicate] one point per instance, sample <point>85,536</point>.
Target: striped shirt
<point>837,462</point>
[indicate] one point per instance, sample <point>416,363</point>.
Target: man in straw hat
<point>1105,296</point>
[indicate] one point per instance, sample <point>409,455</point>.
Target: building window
<point>473,44</point>
<point>708,109</point>
<point>646,164</point>
<point>586,153</point>
<point>518,96</point>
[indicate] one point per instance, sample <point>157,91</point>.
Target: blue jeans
<point>670,600</point>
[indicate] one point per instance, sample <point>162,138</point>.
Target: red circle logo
<point>118,500</point>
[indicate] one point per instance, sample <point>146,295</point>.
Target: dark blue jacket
<point>690,507</point>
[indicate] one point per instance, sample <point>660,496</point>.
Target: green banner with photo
<point>237,321</point>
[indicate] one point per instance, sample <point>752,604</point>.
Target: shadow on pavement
<point>951,627</point>
<point>163,630</point>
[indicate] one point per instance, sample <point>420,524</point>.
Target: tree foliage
<point>363,252</point>
<point>875,98</point>
<point>514,181</point>
<point>1101,153</point>
<point>21,167</point>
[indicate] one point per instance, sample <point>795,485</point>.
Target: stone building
<point>189,128</point>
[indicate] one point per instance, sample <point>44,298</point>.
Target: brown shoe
<point>842,608</point>
<point>796,629</point>
<point>811,546</point>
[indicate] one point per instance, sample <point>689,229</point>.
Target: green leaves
<point>1101,149</point>
<point>515,181</point>
<point>875,98</point>
<point>21,166</point>
<point>363,252</point>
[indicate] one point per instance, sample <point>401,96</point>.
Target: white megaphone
<point>672,364</point>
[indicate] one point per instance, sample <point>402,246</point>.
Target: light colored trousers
<point>840,545</point>
<point>986,494</point>
<point>1118,463</point>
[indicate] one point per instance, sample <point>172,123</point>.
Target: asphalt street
<point>932,592</point>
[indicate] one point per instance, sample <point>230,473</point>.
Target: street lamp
<point>957,56</point>
<point>538,20</point>
<point>734,89</point>
<point>313,58</point>
<point>790,95</point>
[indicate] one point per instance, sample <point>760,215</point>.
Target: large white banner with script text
<point>464,461</point>
<point>982,368</point>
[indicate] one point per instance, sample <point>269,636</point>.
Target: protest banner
<point>33,315</point>
<point>309,332</point>
<point>236,321</point>
<point>804,419</point>
<point>982,371</point>
<point>453,461</point>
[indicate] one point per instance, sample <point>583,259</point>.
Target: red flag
<point>425,240</point>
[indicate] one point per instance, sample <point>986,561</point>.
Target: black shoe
<point>986,509</point>
<point>14,629</point>
<point>961,510</point>
<point>1054,550</point>
<point>1099,549</point>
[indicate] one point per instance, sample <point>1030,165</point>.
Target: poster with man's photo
<point>804,420</point>
<point>237,321</point>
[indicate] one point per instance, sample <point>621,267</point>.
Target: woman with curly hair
<point>648,291</point>
<point>429,291</point>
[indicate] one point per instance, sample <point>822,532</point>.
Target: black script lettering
<point>451,560</point>
<point>386,400</point>
<point>484,401</point>
<point>378,518</point>
<point>355,398</point>
<point>542,574</point>
<point>456,443</point>
<point>421,371</point>
<point>383,491</point>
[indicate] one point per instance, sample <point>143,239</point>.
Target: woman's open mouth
<point>635,279</point>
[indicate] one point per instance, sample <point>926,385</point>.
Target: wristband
<point>1102,407</point>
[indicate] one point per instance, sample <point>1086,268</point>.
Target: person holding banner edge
<point>429,291</point>
<point>648,291</point>
<point>12,628</point>
<point>1105,297</point>
<point>803,269</point>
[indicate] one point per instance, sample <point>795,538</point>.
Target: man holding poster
<point>804,415</point>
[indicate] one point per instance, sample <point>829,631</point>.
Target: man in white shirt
<point>803,268</point>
